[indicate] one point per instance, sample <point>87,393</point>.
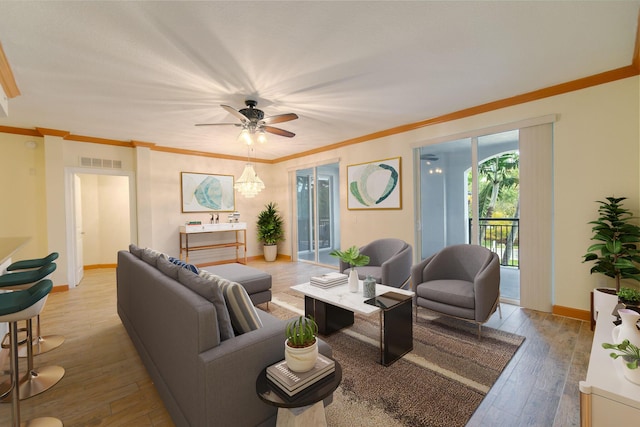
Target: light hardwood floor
<point>106,385</point>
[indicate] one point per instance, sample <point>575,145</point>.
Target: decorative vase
<point>369,287</point>
<point>632,375</point>
<point>353,280</point>
<point>301,359</point>
<point>627,330</point>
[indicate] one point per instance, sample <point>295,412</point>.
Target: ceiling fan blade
<point>280,118</point>
<point>218,124</point>
<point>278,131</point>
<point>235,113</point>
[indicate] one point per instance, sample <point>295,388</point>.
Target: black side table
<point>304,408</point>
<point>396,325</point>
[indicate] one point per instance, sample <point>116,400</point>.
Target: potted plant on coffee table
<point>301,345</point>
<point>354,258</point>
<point>270,231</point>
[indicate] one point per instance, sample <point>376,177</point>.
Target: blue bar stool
<point>35,381</point>
<point>28,264</point>
<point>16,306</point>
<point>27,272</point>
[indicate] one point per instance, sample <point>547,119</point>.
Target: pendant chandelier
<point>249,184</point>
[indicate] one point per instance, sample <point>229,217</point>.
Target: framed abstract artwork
<point>375,185</point>
<point>203,192</point>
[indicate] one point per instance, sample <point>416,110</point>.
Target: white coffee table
<point>334,308</point>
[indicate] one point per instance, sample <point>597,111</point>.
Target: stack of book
<point>329,280</point>
<point>294,382</point>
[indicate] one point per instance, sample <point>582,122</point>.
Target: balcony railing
<point>502,236</point>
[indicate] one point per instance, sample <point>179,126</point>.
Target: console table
<point>238,228</point>
<point>607,398</point>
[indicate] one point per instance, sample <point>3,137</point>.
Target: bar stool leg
<point>15,389</point>
<point>36,381</point>
<point>41,344</point>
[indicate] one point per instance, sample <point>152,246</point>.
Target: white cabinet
<point>606,397</point>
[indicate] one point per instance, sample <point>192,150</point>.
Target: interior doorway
<point>102,218</point>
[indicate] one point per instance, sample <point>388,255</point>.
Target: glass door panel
<point>318,210</point>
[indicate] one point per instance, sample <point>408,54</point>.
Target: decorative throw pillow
<point>135,250</point>
<point>244,317</point>
<point>183,264</point>
<point>211,291</point>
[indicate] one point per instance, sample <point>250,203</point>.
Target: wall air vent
<point>89,162</point>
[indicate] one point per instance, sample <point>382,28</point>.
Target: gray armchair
<point>462,281</point>
<point>389,262</point>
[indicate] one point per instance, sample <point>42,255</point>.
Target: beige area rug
<point>440,383</point>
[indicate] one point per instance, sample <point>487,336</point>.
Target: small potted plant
<point>270,231</point>
<point>630,356</point>
<point>354,258</point>
<point>301,345</point>
<point>629,297</point>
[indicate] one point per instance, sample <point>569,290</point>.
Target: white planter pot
<point>604,302</point>
<point>270,252</point>
<point>301,359</point>
<point>632,375</point>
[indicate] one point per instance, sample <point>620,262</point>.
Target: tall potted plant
<point>616,253</point>
<point>354,258</point>
<point>270,231</point>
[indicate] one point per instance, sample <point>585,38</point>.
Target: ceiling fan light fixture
<point>262,136</point>
<point>245,137</point>
<point>249,184</point>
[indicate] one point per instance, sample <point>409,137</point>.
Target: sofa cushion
<point>167,267</point>
<point>150,256</point>
<point>183,264</point>
<point>210,290</point>
<point>137,251</point>
<point>254,280</point>
<point>244,317</point>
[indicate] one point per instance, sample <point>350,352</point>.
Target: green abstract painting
<point>375,185</point>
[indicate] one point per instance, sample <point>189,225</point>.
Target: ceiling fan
<point>253,121</point>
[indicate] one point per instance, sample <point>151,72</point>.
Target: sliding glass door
<point>318,213</point>
<point>468,193</point>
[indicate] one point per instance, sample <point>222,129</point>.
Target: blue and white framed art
<point>203,192</point>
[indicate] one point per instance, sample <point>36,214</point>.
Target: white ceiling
<point>148,71</point>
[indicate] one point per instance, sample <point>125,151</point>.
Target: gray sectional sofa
<point>203,379</point>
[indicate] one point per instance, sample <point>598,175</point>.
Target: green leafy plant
<point>616,253</point>
<point>301,332</point>
<point>351,256</point>
<point>629,296</point>
<point>270,225</point>
<point>629,352</point>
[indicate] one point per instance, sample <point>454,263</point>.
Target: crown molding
<point>7,81</point>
